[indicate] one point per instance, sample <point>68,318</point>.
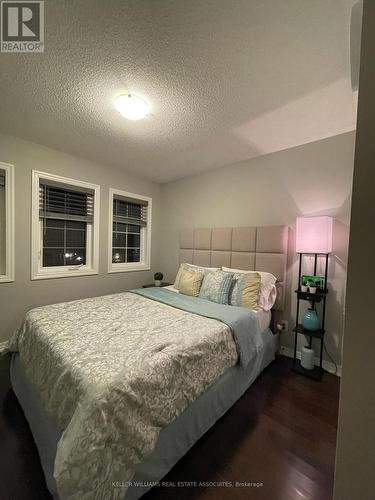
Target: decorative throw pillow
<point>245,290</point>
<point>190,282</point>
<point>192,267</point>
<point>178,276</point>
<point>267,291</point>
<point>216,287</point>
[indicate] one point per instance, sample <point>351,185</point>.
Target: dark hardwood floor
<point>280,435</point>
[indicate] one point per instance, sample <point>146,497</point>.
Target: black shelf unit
<point>317,334</point>
<point>313,298</point>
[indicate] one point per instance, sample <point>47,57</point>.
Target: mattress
<point>264,317</point>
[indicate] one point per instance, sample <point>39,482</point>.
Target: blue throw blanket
<point>242,322</point>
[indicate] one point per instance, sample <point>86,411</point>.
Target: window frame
<point>9,275</point>
<point>38,272</point>
<point>145,238</point>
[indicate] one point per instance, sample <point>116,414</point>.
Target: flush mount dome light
<point>132,107</point>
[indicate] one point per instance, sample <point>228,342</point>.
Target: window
<point>6,223</point>
<point>130,231</point>
<point>65,227</point>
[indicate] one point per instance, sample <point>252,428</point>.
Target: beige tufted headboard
<point>261,248</point>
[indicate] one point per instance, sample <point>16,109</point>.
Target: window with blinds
<point>2,224</point>
<point>129,217</point>
<point>64,214</point>
<point>130,235</point>
<point>7,223</point>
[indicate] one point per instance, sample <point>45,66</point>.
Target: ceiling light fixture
<point>131,106</point>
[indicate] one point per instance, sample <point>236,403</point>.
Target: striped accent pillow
<point>245,291</point>
<point>216,287</point>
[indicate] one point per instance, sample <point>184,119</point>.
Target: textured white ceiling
<point>227,80</point>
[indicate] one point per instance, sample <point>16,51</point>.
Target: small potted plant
<point>312,286</point>
<point>304,286</point>
<point>158,277</point>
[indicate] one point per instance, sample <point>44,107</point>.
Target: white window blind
<point>130,211</point>
<point>65,204</point>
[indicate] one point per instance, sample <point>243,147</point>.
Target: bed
<point>225,346</point>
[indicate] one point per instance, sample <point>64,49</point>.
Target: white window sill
<point>66,273</point>
<point>6,279</point>
<point>126,268</point>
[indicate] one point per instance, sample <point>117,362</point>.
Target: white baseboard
<point>327,365</point>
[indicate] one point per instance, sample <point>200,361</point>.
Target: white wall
<point>308,180</point>
<point>273,189</point>
<point>355,457</point>
<point>18,297</point>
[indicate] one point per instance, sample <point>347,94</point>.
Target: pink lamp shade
<point>314,235</point>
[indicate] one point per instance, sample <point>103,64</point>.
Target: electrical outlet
<point>285,325</point>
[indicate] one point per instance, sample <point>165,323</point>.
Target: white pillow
<point>267,291</point>
<point>203,267</point>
